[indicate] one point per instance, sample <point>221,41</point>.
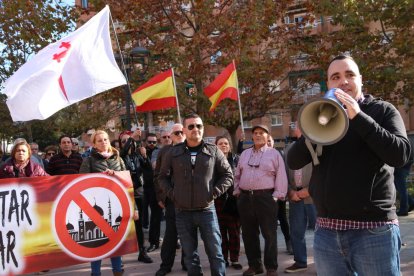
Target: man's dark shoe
<point>236,265</point>
<point>253,271</point>
<point>152,247</point>
<point>295,268</point>
<point>162,272</point>
<point>402,214</point>
<point>144,258</point>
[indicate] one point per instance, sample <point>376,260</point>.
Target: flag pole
<point>125,71</point>
<point>176,96</point>
<point>238,100</point>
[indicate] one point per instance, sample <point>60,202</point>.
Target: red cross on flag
<point>72,69</point>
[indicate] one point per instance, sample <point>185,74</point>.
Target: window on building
<point>247,124</point>
<point>313,89</point>
<point>277,119</point>
<point>386,38</point>
<point>84,4</point>
<point>274,86</point>
<point>215,57</point>
<point>245,89</point>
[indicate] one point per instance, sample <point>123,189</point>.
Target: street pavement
<point>134,268</point>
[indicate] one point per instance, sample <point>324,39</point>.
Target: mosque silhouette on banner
<point>88,234</point>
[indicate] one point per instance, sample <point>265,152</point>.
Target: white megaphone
<point>323,121</point>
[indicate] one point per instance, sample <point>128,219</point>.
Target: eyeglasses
<point>50,153</point>
<point>151,142</point>
<point>76,144</point>
<point>34,149</point>
<point>254,160</point>
<point>191,127</point>
<point>178,132</point>
<point>166,137</point>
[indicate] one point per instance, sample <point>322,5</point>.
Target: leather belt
<point>256,192</point>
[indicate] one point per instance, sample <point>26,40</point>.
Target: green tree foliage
<point>378,34</point>
<point>27,27</point>
<point>199,38</point>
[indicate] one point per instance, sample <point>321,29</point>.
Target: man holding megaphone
<point>352,181</point>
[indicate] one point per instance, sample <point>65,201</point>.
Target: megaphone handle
<point>312,152</point>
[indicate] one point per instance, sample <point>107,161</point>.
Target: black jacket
<point>196,187</point>
<point>135,163</point>
<point>354,180</point>
<point>97,163</point>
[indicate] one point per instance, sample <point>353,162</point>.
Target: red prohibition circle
<point>73,194</point>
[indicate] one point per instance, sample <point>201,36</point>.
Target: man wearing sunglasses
<point>193,174</point>
<point>75,145</point>
<point>260,181</point>
<point>169,244</point>
<point>150,199</point>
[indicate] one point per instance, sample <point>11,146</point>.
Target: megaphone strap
<point>319,150</point>
<point>312,152</point>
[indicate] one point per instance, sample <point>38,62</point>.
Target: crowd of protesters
<point>207,189</point>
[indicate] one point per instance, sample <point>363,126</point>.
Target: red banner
<point>56,221</point>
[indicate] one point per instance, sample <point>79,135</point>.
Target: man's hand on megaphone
<point>352,107</point>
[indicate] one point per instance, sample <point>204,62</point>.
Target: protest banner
<point>56,221</point>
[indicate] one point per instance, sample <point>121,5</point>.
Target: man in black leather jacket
<point>200,173</point>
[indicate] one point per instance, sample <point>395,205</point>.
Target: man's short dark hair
<point>190,116</point>
<point>64,136</point>
<point>341,57</point>
<point>150,135</point>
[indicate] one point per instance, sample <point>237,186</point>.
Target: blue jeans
<point>311,214</point>
<point>358,252</point>
<point>116,266</point>
<point>298,220</point>
<point>188,222</point>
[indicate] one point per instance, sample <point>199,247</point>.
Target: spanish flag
<point>157,93</point>
<point>224,86</point>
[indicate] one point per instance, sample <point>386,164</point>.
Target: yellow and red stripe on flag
<point>224,86</point>
<point>155,94</point>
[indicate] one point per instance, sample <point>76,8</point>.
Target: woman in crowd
<point>226,208</point>
<point>20,164</point>
<point>134,162</point>
<point>104,158</point>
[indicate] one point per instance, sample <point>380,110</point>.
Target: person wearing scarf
<point>20,164</point>
<point>104,158</point>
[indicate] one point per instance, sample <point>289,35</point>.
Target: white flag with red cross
<point>72,69</point>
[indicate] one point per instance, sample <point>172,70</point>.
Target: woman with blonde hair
<point>104,158</point>
<point>20,164</point>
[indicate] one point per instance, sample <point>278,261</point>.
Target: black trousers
<point>138,224</point>
<point>281,216</point>
<point>169,244</point>
<point>258,213</point>
<point>155,219</point>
